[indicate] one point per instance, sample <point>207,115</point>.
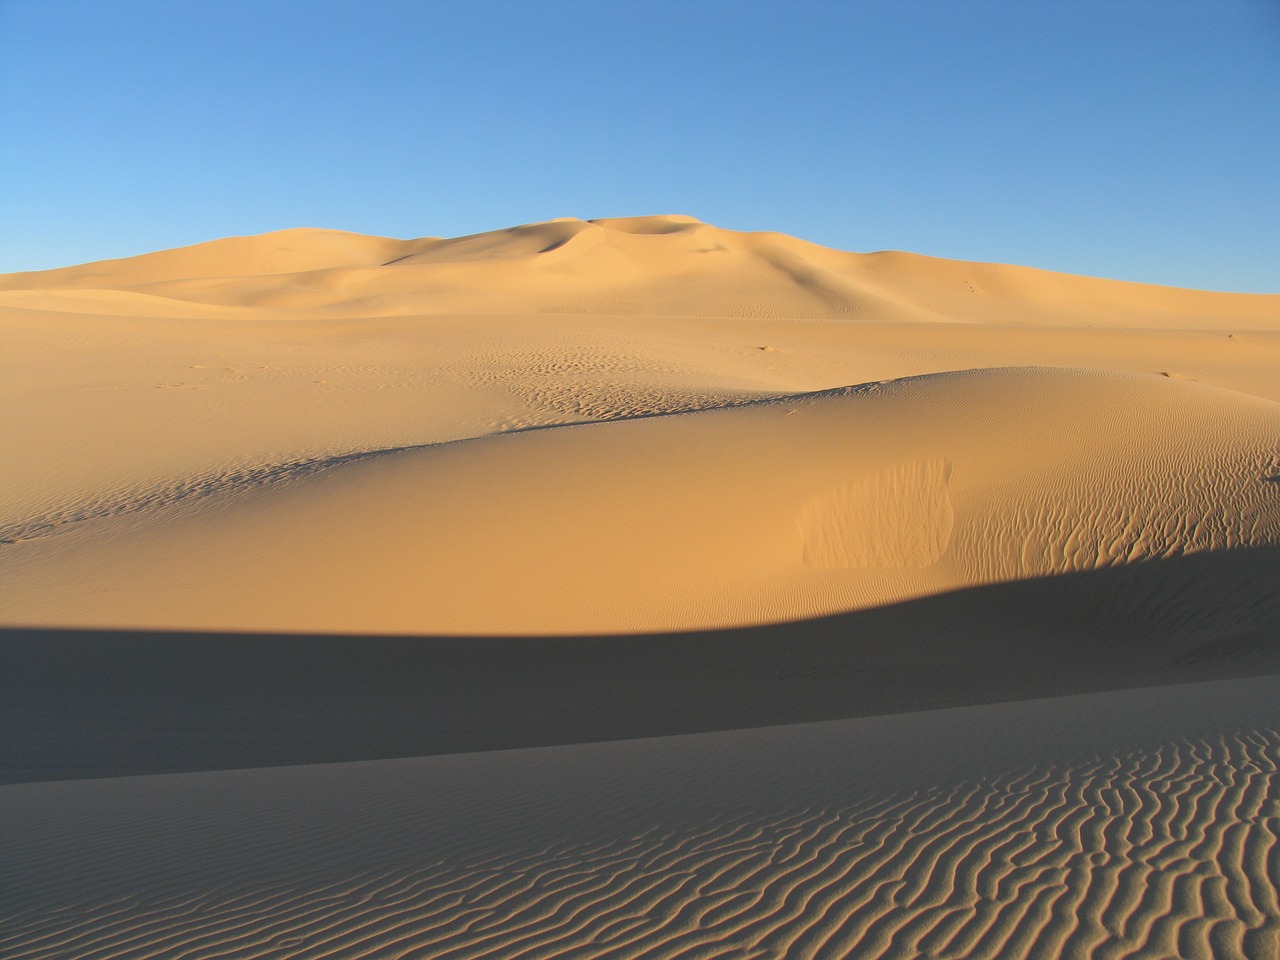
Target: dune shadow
<point>80,703</point>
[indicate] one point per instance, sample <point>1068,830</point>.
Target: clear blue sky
<point>1137,139</point>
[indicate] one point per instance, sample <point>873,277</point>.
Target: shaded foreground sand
<point>95,703</point>
<point>1139,823</point>
<point>317,498</point>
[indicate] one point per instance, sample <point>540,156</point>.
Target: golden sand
<point>638,478</point>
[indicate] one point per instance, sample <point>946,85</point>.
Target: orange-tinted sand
<point>642,478</point>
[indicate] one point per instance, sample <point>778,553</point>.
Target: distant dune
<point>319,498</point>
<point>654,266</point>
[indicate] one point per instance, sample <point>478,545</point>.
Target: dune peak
<point>655,225</point>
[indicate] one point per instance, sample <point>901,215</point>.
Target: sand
<point>633,588</point>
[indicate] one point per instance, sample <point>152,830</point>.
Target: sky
<point>1133,139</point>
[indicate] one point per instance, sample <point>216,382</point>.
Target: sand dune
<point>773,511</point>
<point>560,501</point>
<point>654,266</point>
<point>119,392</point>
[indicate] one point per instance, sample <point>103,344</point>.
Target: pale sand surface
<point>314,498</point>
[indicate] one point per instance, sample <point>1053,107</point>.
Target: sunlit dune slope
<point>771,511</point>
<point>281,252</point>
<point>656,266</point>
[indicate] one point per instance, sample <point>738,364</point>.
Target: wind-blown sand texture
<point>635,588</point>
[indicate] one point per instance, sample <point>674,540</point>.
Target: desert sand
<point>631,588</point>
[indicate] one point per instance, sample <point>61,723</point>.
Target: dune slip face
<point>634,587</point>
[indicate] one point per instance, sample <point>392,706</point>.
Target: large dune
<point>774,511</point>
<point>654,266</point>
<point>563,500</point>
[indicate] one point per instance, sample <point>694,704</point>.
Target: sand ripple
<point>1156,853</point>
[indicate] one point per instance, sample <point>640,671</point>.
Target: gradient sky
<point>1136,139</point>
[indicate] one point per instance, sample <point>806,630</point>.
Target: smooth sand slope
<point>774,511</point>
<point>316,498</point>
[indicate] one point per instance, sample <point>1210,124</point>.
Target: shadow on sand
<point>96,703</point>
